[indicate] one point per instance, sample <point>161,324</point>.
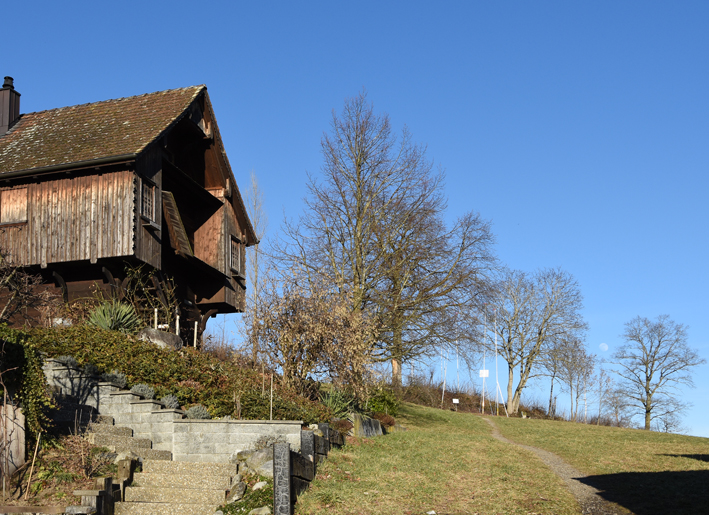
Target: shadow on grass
<point>650,493</point>
<point>698,457</point>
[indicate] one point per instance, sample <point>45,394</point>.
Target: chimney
<point>9,105</point>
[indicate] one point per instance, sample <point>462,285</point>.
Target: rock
<point>256,460</point>
<point>316,430</point>
<point>258,486</point>
<point>237,491</point>
<point>219,512</point>
<point>161,338</point>
<point>365,426</point>
<point>244,455</point>
<point>264,510</point>
<point>265,470</point>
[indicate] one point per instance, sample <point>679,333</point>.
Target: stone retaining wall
<point>215,441</point>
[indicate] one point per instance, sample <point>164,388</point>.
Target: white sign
<point>455,401</point>
<point>484,373</point>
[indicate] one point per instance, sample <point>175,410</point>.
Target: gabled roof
<point>117,128</point>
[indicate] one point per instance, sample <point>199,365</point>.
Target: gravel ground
<point>588,497</point>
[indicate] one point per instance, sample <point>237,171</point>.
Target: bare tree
<point>24,299</point>
<point>530,313</point>
<point>616,404</point>
<point>259,221</point>
<point>653,363</point>
<point>576,367</point>
<point>373,227</point>
<point>307,329</point>
<point>604,385</point>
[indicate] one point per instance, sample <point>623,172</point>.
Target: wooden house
<point>87,189</point>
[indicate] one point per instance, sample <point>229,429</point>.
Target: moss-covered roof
<point>86,132</point>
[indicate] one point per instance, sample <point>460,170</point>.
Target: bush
<point>384,419</point>
<point>342,426</point>
<point>22,375</point>
<point>115,316</point>
<point>384,400</point>
<point>90,369</point>
<point>144,391</point>
<point>192,376</point>
<point>170,402</point>
<point>340,403</point>
<point>116,378</point>
<point>198,412</point>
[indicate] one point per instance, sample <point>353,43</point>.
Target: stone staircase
<point>174,487</point>
<point>111,429</point>
<point>163,487</point>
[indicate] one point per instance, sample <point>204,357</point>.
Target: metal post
<point>195,334</point>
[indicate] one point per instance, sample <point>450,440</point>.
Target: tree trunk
<point>648,412</point>
<point>571,409</point>
<point>510,396</point>
<point>395,372</point>
<point>397,350</point>
<point>551,396</point>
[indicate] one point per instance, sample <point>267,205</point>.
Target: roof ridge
<point>198,87</point>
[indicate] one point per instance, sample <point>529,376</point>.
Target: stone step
<point>146,508</point>
<point>170,495</point>
<point>190,467</point>
<point>155,480</point>
<point>104,419</point>
<point>129,419</point>
<point>124,443</point>
<point>122,397</point>
<point>110,430</point>
<point>150,454</point>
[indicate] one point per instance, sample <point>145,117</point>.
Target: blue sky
<point>579,129</point>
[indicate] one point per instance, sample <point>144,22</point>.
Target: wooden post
<point>156,318</point>
<point>177,325</point>
<point>29,481</point>
<point>195,334</point>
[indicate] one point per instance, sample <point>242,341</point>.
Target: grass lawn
<point>644,471</point>
<point>446,462</point>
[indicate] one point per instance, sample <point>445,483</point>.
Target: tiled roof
<point>91,131</point>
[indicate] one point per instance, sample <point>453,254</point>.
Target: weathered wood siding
<point>209,242</point>
<point>73,219</point>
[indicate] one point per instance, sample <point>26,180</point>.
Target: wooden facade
<point>166,198</point>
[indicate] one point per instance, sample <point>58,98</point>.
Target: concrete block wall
<point>219,440</point>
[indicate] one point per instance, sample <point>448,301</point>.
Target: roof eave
<point>67,166</point>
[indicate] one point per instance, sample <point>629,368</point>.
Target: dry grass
<point>646,472</point>
<point>70,464</point>
<point>446,462</point>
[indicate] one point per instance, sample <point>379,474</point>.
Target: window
<point>13,206</point>
<point>235,256</point>
<point>147,200</point>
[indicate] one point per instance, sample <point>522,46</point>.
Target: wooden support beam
<point>62,285</point>
<point>203,320</point>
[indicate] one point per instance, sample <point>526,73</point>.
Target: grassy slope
<point>446,462</point>
<point>644,471</point>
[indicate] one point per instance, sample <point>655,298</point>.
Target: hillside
<point>450,463</point>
